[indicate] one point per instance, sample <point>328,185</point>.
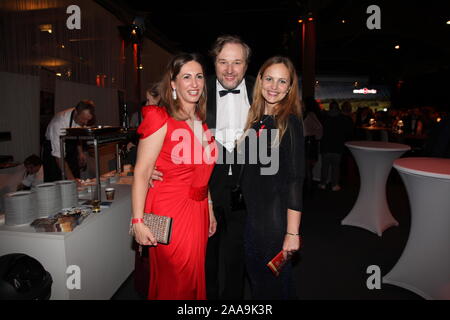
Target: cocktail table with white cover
<point>424,265</point>
<point>374,160</point>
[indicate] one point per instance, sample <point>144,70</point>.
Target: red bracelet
<point>134,221</point>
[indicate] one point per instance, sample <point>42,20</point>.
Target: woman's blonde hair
<point>173,106</point>
<point>290,105</point>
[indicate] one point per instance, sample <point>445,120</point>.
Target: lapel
<point>249,84</point>
<point>211,106</point>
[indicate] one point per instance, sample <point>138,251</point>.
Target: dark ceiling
<point>342,48</point>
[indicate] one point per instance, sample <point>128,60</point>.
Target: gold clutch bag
<point>160,226</point>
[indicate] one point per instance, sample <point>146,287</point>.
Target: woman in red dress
<point>176,140</point>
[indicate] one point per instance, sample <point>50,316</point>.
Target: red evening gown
<point>177,270</point>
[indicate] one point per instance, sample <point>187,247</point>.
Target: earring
<point>174,94</point>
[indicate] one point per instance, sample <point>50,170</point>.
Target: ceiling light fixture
<point>45,28</point>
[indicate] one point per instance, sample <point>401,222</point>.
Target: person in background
<point>438,142</point>
<point>348,165</point>
<point>177,270</point>
<point>313,131</point>
<point>34,174</point>
<point>337,129</point>
<point>153,99</point>
<point>274,200</point>
<point>347,110</point>
<point>75,158</point>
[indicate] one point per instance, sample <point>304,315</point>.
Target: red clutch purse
<point>277,263</point>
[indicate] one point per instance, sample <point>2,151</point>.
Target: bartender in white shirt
<point>79,116</point>
<point>34,174</point>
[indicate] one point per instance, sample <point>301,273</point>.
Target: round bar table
<point>424,265</point>
<point>374,160</point>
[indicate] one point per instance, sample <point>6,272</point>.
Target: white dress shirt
<point>33,180</point>
<point>56,128</point>
<point>231,116</point>
<point>312,126</point>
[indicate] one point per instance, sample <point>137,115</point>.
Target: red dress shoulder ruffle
<point>154,117</point>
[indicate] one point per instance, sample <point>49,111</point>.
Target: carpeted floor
<point>334,258</point>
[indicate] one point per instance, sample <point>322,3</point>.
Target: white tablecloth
<point>424,266</point>
<point>374,160</point>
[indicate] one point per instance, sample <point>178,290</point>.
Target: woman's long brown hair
<point>172,106</point>
<point>289,105</point>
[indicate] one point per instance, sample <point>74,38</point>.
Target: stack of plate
<point>48,199</point>
<point>68,192</point>
<point>114,179</point>
<point>20,208</point>
<point>82,191</point>
<point>104,182</point>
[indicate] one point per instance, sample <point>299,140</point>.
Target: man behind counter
<point>76,117</point>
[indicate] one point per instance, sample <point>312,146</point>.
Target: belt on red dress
<point>198,193</point>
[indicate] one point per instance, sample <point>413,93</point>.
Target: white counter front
<point>100,247</point>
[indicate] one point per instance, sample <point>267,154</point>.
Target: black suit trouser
<point>225,254</point>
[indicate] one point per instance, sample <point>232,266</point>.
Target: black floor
<point>334,259</point>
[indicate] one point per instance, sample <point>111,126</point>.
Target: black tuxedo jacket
<point>221,183</point>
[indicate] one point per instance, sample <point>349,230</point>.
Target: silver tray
<point>92,131</point>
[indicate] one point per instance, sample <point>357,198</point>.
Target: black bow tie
<point>225,92</point>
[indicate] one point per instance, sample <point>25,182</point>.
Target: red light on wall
<point>310,19</point>
<point>135,55</point>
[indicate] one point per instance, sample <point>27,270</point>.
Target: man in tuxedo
<point>229,99</point>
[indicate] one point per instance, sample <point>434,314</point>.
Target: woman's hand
<point>291,245</point>
<point>212,220</point>
<point>156,175</point>
<point>143,235</point>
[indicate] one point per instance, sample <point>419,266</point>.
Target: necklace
<point>266,116</point>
